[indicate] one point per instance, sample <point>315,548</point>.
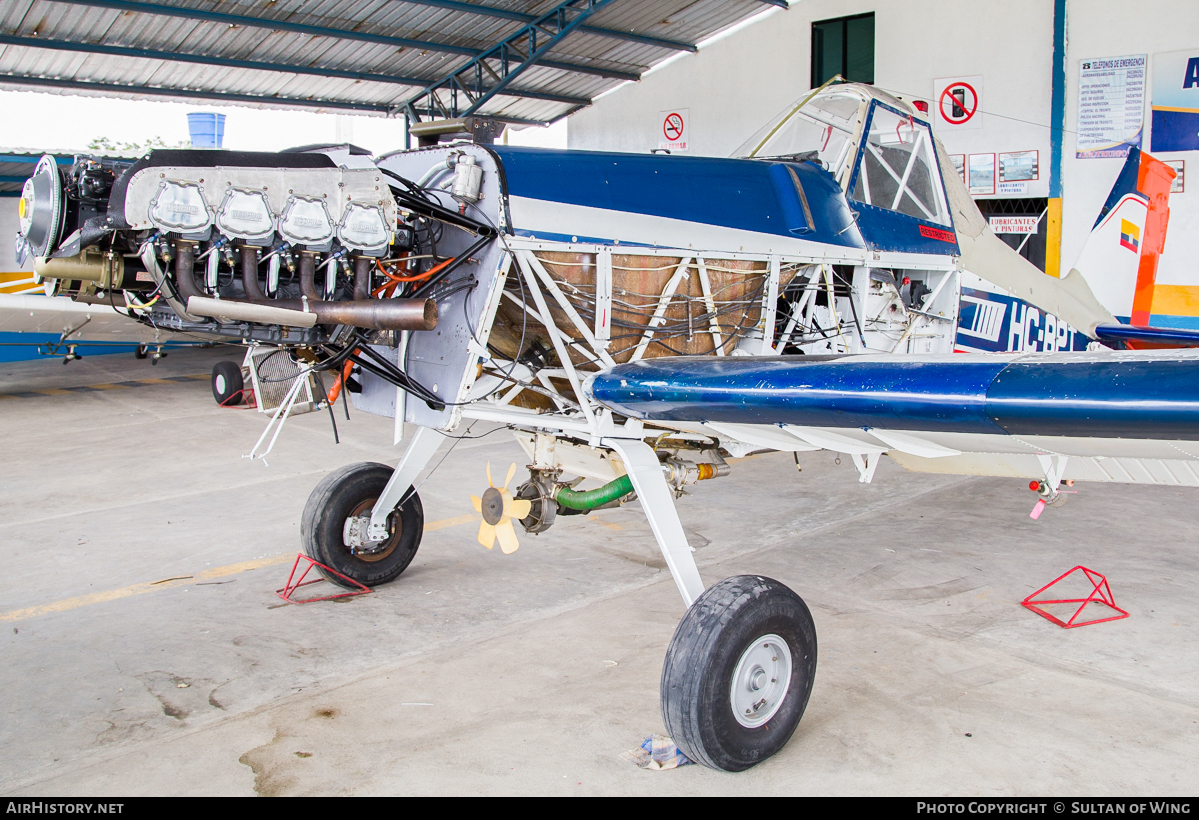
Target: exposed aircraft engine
<point>279,248</point>
<point>319,251</point>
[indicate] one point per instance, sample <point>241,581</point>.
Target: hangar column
<point>1057,136</point>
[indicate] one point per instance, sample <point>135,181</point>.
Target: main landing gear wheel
<point>739,672</point>
<point>335,521</point>
<point>227,383</point>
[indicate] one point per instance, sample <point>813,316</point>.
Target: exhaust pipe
<point>308,276</point>
<point>364,312</point>
<point>185,271</point>
<point>373,314</point>
<point>249,274</point>
<point>239,311</point>
<point>379,314</point>
<point>362,277</point>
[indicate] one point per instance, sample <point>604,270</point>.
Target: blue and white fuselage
<point>804,295</point>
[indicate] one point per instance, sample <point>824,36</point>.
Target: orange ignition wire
<point>388,288</point>
<point>335,390</point>
<point>419,276</point>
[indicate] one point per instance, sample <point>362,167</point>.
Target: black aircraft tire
<point>351,491</point>
<point>227,383</point>
<point>740,615</point>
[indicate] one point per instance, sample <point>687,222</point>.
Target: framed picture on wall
<point>982,174</point>
<point>1178,186</point>
<point>1019,166</point>
<point>959,164</point>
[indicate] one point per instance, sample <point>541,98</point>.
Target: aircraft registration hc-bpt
<point>637,320</point>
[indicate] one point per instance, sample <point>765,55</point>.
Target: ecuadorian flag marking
<point>1130,235</point>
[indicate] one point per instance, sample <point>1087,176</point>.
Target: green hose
<point>590,499</point>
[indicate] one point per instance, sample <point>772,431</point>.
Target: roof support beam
<point>505,14</point>
<point>323,31</point>
<point>255,65</point>
<point>266,22</point>
<point>188,93</point>
<point>782,4</point>
<point>215,96</point>
<point>505,60</point>
<point>33,158</point>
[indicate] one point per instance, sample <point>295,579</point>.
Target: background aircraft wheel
<point>739,672</point>
<point>350,493</point>
<point>227,384</point>
<point>141,352</point>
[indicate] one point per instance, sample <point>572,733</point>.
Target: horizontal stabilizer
<point>1166,336</point>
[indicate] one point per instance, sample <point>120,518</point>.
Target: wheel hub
<point>355,533</point>
<point>760,681</point>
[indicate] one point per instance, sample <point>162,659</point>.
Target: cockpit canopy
<point>826,123</point>
<point>877,147</point>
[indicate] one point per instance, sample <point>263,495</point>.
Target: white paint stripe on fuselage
<point>556,219</point>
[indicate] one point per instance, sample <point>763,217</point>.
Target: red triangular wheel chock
<point>294,583</point>
<point>1101,593</point>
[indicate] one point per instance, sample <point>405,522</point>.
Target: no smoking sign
<point>957,102</point>
<point>673,129</point>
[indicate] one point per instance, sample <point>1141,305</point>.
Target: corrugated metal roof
<point>364,55</point>
<point>18,164</point>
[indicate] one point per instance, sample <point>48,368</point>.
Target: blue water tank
<point>207,130</point>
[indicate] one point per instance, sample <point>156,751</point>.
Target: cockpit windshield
<point>898,169</point>
<point>825,124</point>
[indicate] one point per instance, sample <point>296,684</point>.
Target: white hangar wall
<point>732,86</point>
<point>1101,28</point>
<point>736,84</point>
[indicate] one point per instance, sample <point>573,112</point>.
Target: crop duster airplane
<point>637,320</point>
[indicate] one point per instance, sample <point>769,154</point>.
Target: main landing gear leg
<point>641,463</point>
<point>418,455</point>
<point>740,667</point>
<point>366,520</point>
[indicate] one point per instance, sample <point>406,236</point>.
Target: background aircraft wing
<point>27,313</point>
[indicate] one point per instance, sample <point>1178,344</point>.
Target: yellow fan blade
<point>517,507</point>
<point>511,472</point>
<point>486,534</point>
<point>489,481</point>
<point>507,536</point>
<point>478,502</point>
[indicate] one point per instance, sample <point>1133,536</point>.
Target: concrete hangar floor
<point>482,673</point>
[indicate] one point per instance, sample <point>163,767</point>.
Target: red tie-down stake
<point>294,583</point>
<point>1101,594</point>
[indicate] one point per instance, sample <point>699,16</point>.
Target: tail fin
<point>1119,259</point>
